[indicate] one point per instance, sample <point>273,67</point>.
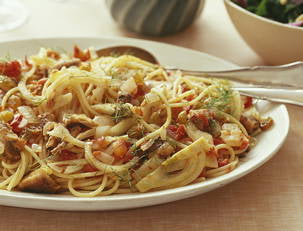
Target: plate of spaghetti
<point>82,132</point>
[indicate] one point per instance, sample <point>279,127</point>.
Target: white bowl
<point>275,42</point>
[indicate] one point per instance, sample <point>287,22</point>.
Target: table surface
<point>270,198</point>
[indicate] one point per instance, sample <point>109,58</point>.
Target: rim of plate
<point>193,188</point>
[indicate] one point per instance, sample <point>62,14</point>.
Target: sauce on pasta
<point>94,126</point>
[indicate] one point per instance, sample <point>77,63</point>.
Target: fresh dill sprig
<point>222,102</point>
<point>126,178</point>
<point>138,152</point>
<point>122,111</point>
<point>129,180</point>
<point>121,177</point>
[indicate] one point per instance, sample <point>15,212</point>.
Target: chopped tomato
<point>248,102</point>
<point>243,146</point>
<point>128,156</point>
<point>82,55</point>
<point>11,69</point>
<point>266,124</point>
<point>177,132</point>
<point>187,108</point>
<point>120,148</point>
<point>89,168</point>
<point>18,123</point>
<point>201,121</point>
<point>185,88</point>
<point>204,120</point>
<point>190,97</point>
<point>140,91</point>
<point>186,139</point>
<point>222,163</point>
<point>67,155</point>
<point>218,140</point>
<point>223,151</point>
<point>176,111</point>
<point>100,143</point>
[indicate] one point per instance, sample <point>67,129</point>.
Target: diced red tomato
<point>205,120</point>
<point>89,168</point>
<point>218,140</point>
<point>18,123</point>
<point>100,143</point>
<point>248,102</point>
<point>67,155</point>
<point>82,55</point>
<point>177,132</point>
<point>223,152</point>
<point>190,97</point>
<point>186,139</point>
<point>120,148</point>
<point>201,121</point>
<point>140,91</point>
<point>176,111</point>
<point>243,146</point>
<point>127,157</point>
<point>187,108</point>
<point>266,124</point>
<point>223,162</point>
<point>11,69</point>
<point>185,88</point>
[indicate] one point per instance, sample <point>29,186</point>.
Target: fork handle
<point>288,75</point>
<point>279,95</point>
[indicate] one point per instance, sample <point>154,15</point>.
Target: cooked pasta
<point>95,126</point>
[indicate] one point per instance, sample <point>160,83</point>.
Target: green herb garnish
<point>122,111</point>
<point>222,101</point>
<point>284,11</point>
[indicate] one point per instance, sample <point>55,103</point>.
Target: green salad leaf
<point>284,11</point>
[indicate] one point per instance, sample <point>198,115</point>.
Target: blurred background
<point>212,32</point>
<point>270,198</point>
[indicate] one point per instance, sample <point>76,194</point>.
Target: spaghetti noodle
<point>95,126</point>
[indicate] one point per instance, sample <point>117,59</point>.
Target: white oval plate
<point>268,143</point>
